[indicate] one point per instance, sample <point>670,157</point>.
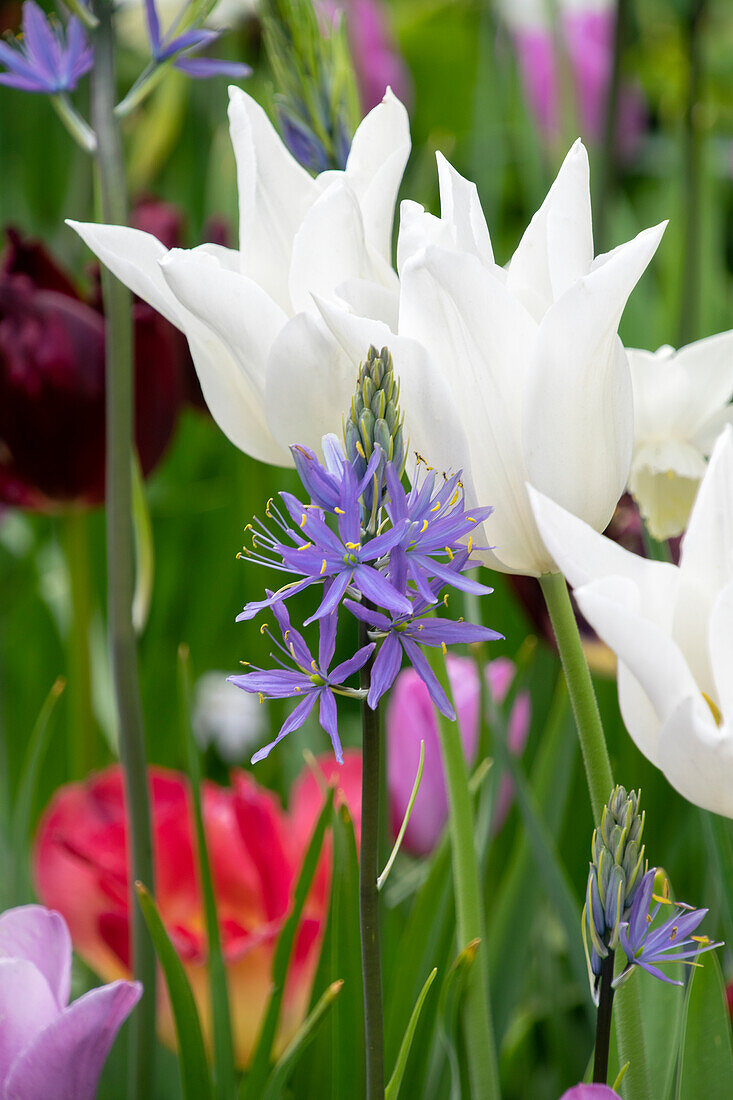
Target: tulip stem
<point>580,687</point>
<point>476,1014</point>
<point>120,572</point>
<point>82,727</point>
<point>600,784</point>
<point>603,1021</point>
<point>369,891</point>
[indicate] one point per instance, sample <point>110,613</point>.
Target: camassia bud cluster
<point>364,543</point>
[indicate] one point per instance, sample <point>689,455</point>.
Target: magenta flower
<point>590,1092</point>
<point>411,719</point>
<point>50,1049</point>
<point>45,58</point>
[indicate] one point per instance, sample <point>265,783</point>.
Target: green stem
<point>120,579</point>
<point>476,1015</point>
<point>600,783</point>
<point>608,163</point>
<point>82,727</point>
<point>690,290</point>
<point>580,686</point>
<point>603,1021</point>
<point>369,892</point>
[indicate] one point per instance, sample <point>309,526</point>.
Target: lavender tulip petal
<point>40,936</point>
<point>386,665</point>
<point>67,1056</point>
<point>327,718</point>
<point>27,1005</point>
<point>293,722</point>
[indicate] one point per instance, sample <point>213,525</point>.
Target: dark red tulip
<point>52,384</point>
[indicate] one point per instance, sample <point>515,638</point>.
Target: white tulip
<point>672,630</point>
<point>298,236</point>
<point>681,402</point>
<point>230,720</point>
<point>530,354</point>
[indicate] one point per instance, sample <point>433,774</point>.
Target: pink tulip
<point>590,1092</point>
<point>411,719</point>
<point>50,1049</point>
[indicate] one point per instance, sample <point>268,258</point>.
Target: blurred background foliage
<point>467,100</point>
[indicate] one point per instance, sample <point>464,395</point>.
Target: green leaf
<point>451,995</point>
<point>224,1069</point>
<point>706,1056</point>
<point>304,1035</point>
<point>254,1083</point>
<point>405,820</point>
<point>393,1087</point>
<point>20,825</point>
<point>195,1078</point>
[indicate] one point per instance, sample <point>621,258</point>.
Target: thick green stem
<point>600,783</point>
<point>82,727</point>
<point>476,1015</point>
<point>580,687</point>
<point>603,1021</point>
<point>690,267</point>
<point>371,962</point>
<point>120,572</point>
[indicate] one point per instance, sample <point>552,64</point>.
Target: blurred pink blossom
<point>411,719</point>
<point>377,61</point>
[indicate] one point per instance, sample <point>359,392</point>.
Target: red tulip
<point>80,865</point>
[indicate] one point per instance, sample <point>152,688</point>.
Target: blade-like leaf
<point>195,1078</point>
<point>224,1071</point>
<point>393,1087</point>
<point>254,1083</point>
<point>304,1035</point>
<point>706,1056</point>
<point>449,1004</point>
<point>405,820</point>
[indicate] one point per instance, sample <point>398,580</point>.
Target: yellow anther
<point>454,499</point>
<point>703,940</point>
<point>449,552</point>
<point>323,567</point>
<point>262,698</point>
<point>470,544</point>
<point>352,545</point>
<point>673,934</point>
<point>305,546</point>
<point>471,520</point>
<point>339,511</point>
<point>420,626</point>
<point>445,599</point>
<point>436,507</point>
<point>425,526</point>
<point>314,666</point>
<point>263,628</point>
<point>360,449</point>
<point>715,709</point>
<point>303,520</point>
<point>444,648</point>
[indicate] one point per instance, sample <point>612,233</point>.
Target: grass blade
<point>393,1086</point>
<point>305,1034</point>
<point>405,820</point>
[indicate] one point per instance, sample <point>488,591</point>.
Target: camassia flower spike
<point>363,537</point>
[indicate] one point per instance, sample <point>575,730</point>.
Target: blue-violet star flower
<point>672,941</point>
<point>164,47</point>
<point>45,58</point>
<point>310,679</point>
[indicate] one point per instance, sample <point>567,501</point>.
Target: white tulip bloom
<point>298,236</point>
<point>530,354</point>
<point>230,720</point>
<point>681,402</point>
<point>672,629</point>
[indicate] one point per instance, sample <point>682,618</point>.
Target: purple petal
<point>24,83</point>
<point>42,937</point>
<point>386,665</point>
<point>292,638</point>
<point>419,576</point>
<point>153,26</point>
<point>322,487</point>
<point>328,719</point>
<point>372,466</point>
<point>368,615</point>
<point>375,587</point>
<point>332,597</point>
<point>276,683</point>
<point>327,639</point>
<point>382,544</point>
<point>640,909</point>
<point>656,972</point>
<point>426,674</point>
<point>397,497</point>
<point>190,40</point>
<point>40,42</point>
<point>251,609</point>
<point>348,668</point>
<point>26,1006</point>
<point>67,1056</point>
<point>435,632</point>
<point>293,722</point>
<point>450,576</point>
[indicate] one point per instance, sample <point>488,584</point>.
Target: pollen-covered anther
<point>444,647</point>
<point>323,567</point>
<point>263,628</point>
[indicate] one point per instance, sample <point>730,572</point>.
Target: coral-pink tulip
<point>50,1049</point>
<point>411,719</point>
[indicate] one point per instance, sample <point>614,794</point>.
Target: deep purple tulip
<point>52,384</point>
<point>411,719</point>
<point>50,1049</point>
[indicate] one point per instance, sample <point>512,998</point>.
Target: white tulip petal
<point>234,312</point>
<point>664,479</point>
<point>328,248</point>
<point>134,257</point>
<point>367,299</point>
<point>375,166</point>
<point>310,383</point>
<point>578,416</point>
<point>460,206</point>
<point>557,247</point>
<point>275,194</point>
<point>721,650</point>
<point>707,548</point>
<point>480,338</point>
<point>417,230</point>
<point>697,757</point>
<point>708,364</point>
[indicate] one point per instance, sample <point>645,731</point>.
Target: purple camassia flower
<point>671,942</point>
<point>163,48</point>
<point>45,58</point>
<point>310,680</point>
<point>406,633</point>
<point>51,1048</point>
